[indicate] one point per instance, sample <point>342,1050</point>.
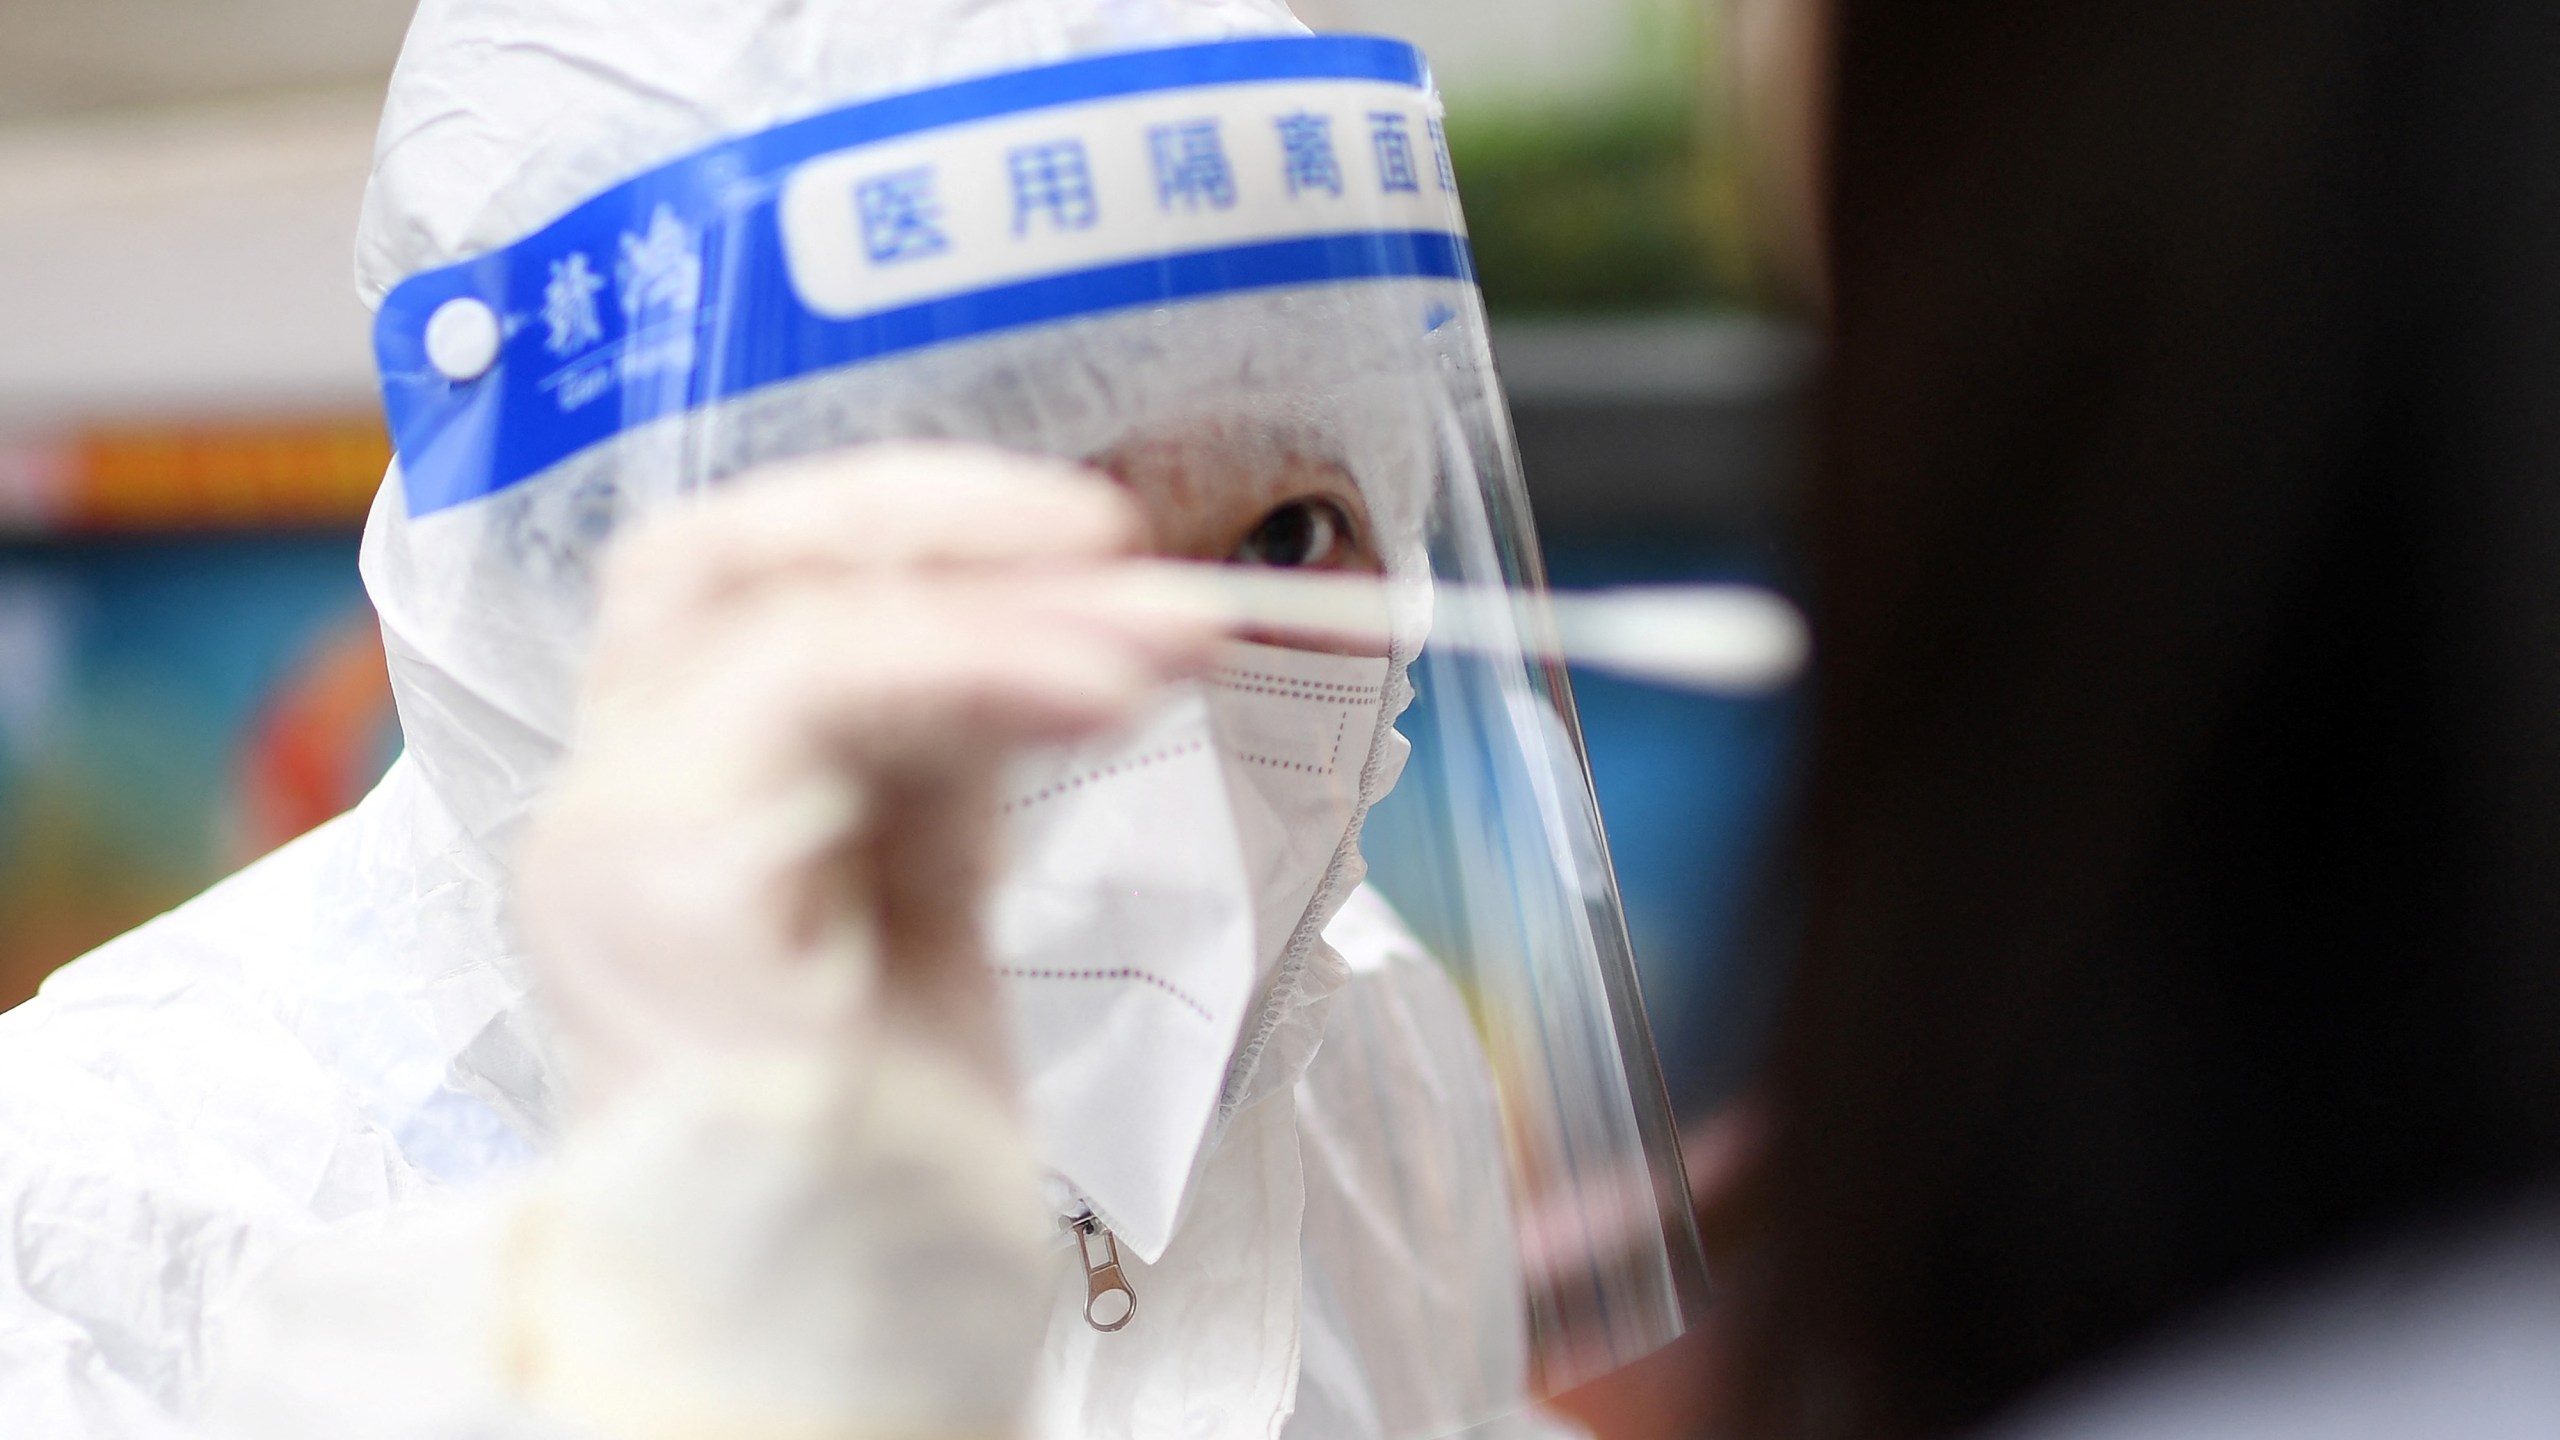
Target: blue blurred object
<point>1663,449</point>
<point>1691,788</point>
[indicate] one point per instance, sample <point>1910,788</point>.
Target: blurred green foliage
<point>1633,202</point>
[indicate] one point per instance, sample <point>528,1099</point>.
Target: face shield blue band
<point>1100,185</point>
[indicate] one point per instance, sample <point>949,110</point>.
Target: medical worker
<point>847,951</point>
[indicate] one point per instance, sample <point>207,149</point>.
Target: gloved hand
<point>797,1199</point>
<point>774,830</point>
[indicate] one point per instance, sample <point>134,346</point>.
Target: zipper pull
<point>1109,1303</point>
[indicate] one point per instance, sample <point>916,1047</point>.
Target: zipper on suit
<point>1109,1302</point>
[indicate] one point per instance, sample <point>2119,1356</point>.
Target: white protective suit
<point>335,1057</point>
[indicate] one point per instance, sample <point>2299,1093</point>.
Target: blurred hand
<point>776,825</point>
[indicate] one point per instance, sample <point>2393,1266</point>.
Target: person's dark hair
<point>2182,853</point>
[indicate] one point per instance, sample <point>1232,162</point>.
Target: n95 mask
<point>1154,884</point>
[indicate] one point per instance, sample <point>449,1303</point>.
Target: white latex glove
<point>797,1199</point>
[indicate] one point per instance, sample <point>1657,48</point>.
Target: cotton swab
<point>1720,639</point>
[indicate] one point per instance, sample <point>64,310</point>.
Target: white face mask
<point>1155,882</point>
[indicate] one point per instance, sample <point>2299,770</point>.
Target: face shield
<point>1235,277</point>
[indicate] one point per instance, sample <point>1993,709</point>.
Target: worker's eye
<point>1300,535</point>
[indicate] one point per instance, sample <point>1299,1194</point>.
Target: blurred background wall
<point>188,437</point>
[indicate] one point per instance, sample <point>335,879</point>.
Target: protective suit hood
<point>502,130</point>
